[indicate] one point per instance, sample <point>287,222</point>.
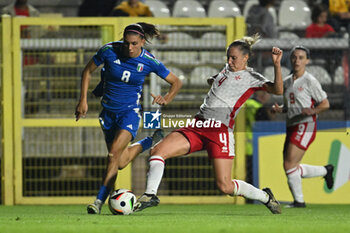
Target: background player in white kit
<point>229,90</point>
<point>303,100</point>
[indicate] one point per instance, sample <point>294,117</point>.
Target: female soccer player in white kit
<point>229,90</point>
<point>303,100</point>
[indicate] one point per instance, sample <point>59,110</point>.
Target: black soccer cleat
<point>273,205</point>
<point>145,201</point>
<point>329,179</point>
<point>296,204</point>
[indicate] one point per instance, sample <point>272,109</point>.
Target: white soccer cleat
<point>95,208</point>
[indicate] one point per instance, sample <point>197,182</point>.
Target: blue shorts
<point>112,122</point>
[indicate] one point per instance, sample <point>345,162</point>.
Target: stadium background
<point>48,158</point>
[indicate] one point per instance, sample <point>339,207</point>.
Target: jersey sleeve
<point>317,93</point>
<point>160,69</point>
<point>258,80</point>
<point>99,57</point>
<point>156,66</point>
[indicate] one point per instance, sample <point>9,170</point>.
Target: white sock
<point>155,174</point>
<point>308,171</point>
<point>98,203</point>
<point>294,182</point>
<point>249,191</point>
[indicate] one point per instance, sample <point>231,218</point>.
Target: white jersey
<point>303,92</point>
<point>228,93</point>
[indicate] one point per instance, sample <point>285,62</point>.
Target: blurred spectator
<point>340,8</point>
<point>20,8</point>
<point>96,8</point>
<point>340,14</point>
<point>259,20</point>
<point>133,8</point>
<point>319,27</point>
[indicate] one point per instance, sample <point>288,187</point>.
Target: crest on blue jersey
<point>140,67</point>
<point>151,120</point>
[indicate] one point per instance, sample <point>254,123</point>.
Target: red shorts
<point>218,141</point>
<point>301,135</point>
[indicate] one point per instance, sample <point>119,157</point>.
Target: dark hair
<point>144,30</point>
<point>300,47</point>
<point>265,2</point>
<point>316,12</point>
<point>245,44</point>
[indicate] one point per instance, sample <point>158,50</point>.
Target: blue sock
<point>103,193</point>
<point>146,143</point>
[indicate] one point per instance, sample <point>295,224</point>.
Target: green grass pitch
<point>176,219</point>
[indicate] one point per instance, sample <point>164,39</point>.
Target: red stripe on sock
<point>156,159</point>
<point>301,171</point>
<point>237,185</point>
<point>292,171</point>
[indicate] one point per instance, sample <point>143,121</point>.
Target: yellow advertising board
<point>332,145</point>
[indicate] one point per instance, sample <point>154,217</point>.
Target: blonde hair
<point>245,44</point>
<point>251,40</point>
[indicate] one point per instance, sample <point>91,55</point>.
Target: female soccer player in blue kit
<point>126,64</point>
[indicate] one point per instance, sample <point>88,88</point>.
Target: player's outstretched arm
<point>82,107</point>
<point>277,86</point>
<point>175,85</point>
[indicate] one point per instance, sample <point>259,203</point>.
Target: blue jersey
<point>124,77</point>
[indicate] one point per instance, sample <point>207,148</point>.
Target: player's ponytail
<point>251,40</point>
<point>245,44</point>
<point>144,30</point>
<point>150,30</point>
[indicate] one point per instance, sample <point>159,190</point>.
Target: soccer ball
<point>121,202</point>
